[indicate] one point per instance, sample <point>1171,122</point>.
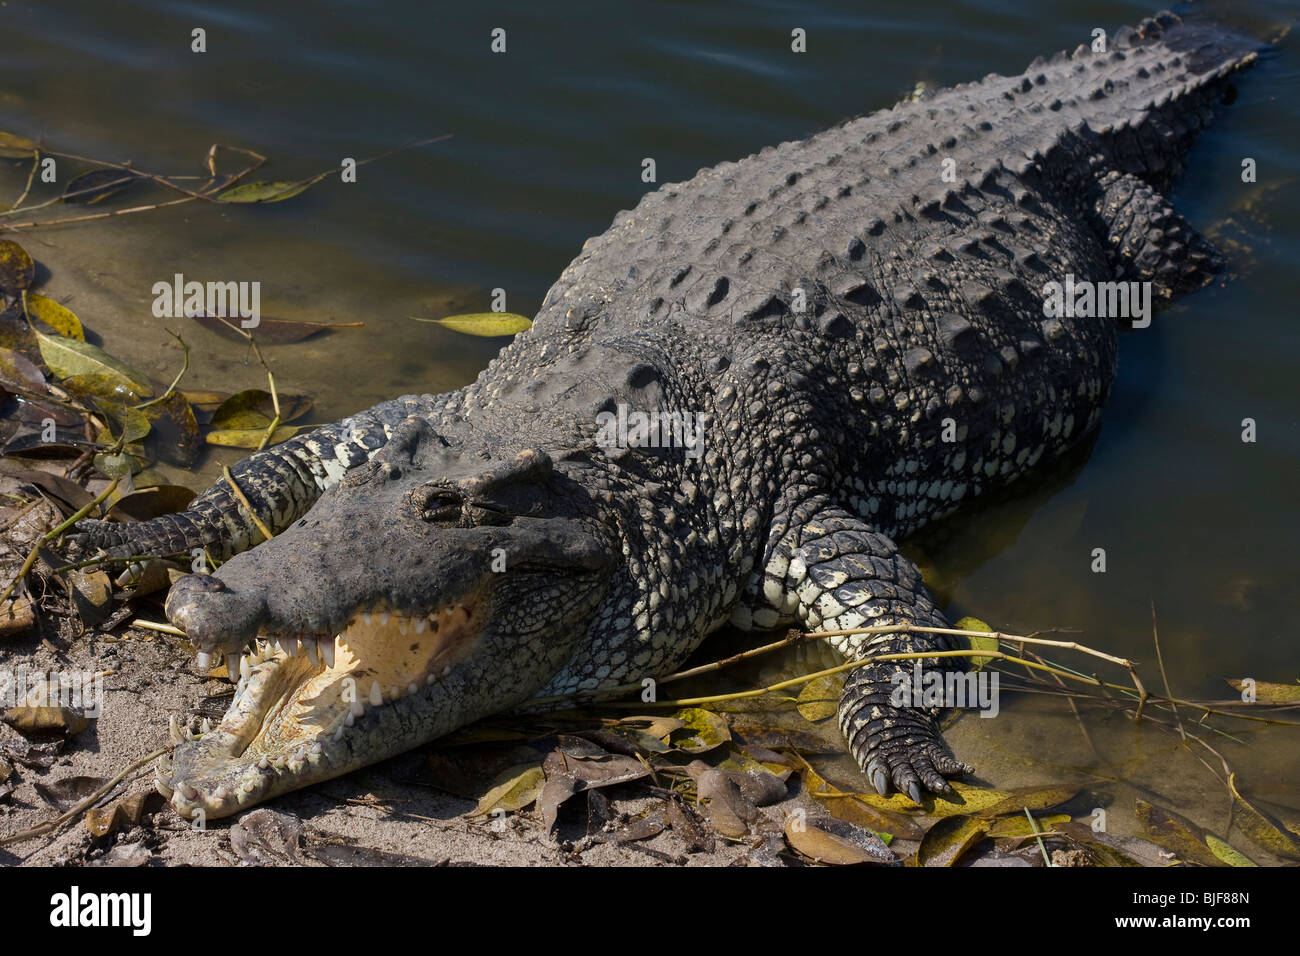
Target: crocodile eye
<point>437,504</point>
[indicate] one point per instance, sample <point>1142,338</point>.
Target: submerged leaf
<point>949,838</point>
<point>1267,692</point>
<point>1175,833</point>
<point>98,184</point>
<point>113,388</point>
<point>978,643</point>
<point>16,268</point>
<point>1263,830</point>
<point>254,408</point>
<point>270,331</point>
<point>176,437</point>
<point>16,147</point>
<point>249,438</point>
<point>60,318</point>
<point>701,731</point>
<point>267,191</point>
<point>67,357</point>
<point>17,370</point>
<point>1227,853</point>
<point>820,698</point>
<point>490,324</point>
<point>147,503</point>
<point>835,842</point>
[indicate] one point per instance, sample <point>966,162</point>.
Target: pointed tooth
<point>163,786</point>
<point>245,667</point>
<point>288,644</point>
<point>357,709</point>
<point>397,693</point>
<point>446,670</point>
<point>349,718</point>
<point>376,695</point>
<point>421,624</point>
<point>232,666</point>
<point>431,680</point>
<point>188,792</point>
<point>309,648</point>
<point>414,688</point>
<point>204,661</point>
<point>365,617</point>
<point>263,764</point>
<point>205,727</point>
<point>460,616</point>
<point>174,729</point>
<point>383,618</point>
<point>403,625</point>
<point>326,648</point>
<point>338,734</point>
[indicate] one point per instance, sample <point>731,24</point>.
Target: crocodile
<point>728,408</point>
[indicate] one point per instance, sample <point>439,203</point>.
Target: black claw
<point>879,780</point>
<point>914,791</point>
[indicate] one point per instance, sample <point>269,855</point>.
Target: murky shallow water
<point>548,144</point>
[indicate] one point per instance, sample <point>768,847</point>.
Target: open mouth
<point>305,702</point>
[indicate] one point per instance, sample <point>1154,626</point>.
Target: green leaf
<point>1030,798</point>
<point>16,268</point>
<point>1175,833</point>
<point>489,324</point>
<point>16,147</point>
<point>516,788</point>
<point>113,388</point>
<point>132,424</point>
<point>249,437</point>
<point>964,799</point>
<point>1228,854</point>
<point>702,730</point>
<point>978,643</point>
<point>268,191</point>
<point>118,465</point>
<point>67,357</point>
<point>820,698</point>
<point>60,318</point>
<point>1018,826</point>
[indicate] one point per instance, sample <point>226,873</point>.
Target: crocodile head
<point>430,588</point>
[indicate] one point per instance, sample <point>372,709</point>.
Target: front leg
<point>834,573</point>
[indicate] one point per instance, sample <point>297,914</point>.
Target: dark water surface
<point>548,145</point>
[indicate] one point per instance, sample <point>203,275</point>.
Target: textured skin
<point>921,308</point>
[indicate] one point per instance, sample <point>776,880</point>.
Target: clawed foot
<point>909,762</point>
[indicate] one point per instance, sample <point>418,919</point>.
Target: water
<point>548,143</point>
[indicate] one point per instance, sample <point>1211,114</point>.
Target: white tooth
<point>430,680</point>
<point>383,618</point>
<point>188,792</point>
<point>288,644</point>
<point>232,666</point>
<point>366,618</point>
<point>309,648</point>
<point>349,719</point>
<point>412,689</point>
<point>403,625</point>
<point>205,727</point>
<point>245,668</point>
<point>376,695</point>
<point>326,648</point>
<point>263,764</point>
<point>204,662</point>
<point>446,670</point>
<point>315,750</point>
<point>338,734</point>
<point>357,709</point>
<point>421,625</point>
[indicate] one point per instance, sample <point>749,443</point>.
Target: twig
<point>51,535</point>
<point>31,175</point>
<point>230,480</point>
<point>185,367</point>
<point>84,805</point>
<point>1160,660</point>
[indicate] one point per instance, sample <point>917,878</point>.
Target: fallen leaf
<point>98,184</point>
<point>835,842</point>
<point>949,838</point>
<point>16,616</point>
<point>1267,692</point>
<point>820,698</point>
<point>146,503</point>
<point>517,787</point>
<point>95,385</point>
<point>266,837</point>
<point>254,408</point>
<point>1228,854</point>
<point>1031,799</point>
<point>978,643</point>
<point>175,436</point>
<point>854,810</point>
<point>1018,826</point>
<point>66,793</point>
<point>16,268</point>
<point>16,147</point>
<point>1175,833</point>
<point>488,324</point>
<point>270,331</point>
<point>67,357</point>
<point>120,815</point>
<point>1264,831</point>
<point>701,730</point>
<point>249,438</point>
<point>277,191</point>
<point>17,370</point>
<point>29,719</point>
<point>60,318</point>
<point>728,810</point>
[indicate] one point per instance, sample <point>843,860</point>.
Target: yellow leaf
<point>58,317</point>
<point>518,787</point>
<point>16,147</point>
<point>978,643</point>
<point>490,324</point>
<point>820,698</point>
<point>1228,854</point>
<point>1263,830</point>
<point>249,437</point>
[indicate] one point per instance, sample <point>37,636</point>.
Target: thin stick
<point>84,805</point>
<point>51,535</point>
<point>31,175</point>
<point>230,480</point>
<point>1160,660</point>
<point>185,367</point>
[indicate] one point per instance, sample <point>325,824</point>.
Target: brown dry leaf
<point>728,809</point>
<point>34,719</point>
<point>271,331</point>
<point>835,842</point>
<point>66,793</point>
<point>16,616</point>
<point>16,268</point>
<point>92,595</point>
<point>146,503</point>
<point>120,815</point>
